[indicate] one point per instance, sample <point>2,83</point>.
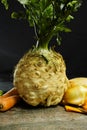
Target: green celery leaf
<point>5,2</point>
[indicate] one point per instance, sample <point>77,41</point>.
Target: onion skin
<point>76,95</point>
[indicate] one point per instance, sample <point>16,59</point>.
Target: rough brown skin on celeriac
<point>40,77</point>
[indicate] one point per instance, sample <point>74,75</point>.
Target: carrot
<point>72,109</point>
<point>9,99</point>
<point>11,92</point>
<point>7,103</point>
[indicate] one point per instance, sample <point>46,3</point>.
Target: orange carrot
<point>75,109</point>
<point>8,102</point>
<point>9,99</point>
<point>72,109</point>
<point>11,92</point>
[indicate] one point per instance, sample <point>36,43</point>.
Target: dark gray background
<point>16,38</point>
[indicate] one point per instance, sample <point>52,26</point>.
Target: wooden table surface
<point>24,117</point>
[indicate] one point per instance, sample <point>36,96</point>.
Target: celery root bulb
<point>40,77</point>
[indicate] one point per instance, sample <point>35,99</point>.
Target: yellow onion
<point>76,94</point>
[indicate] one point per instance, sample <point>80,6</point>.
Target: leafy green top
<point>48,17</point>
